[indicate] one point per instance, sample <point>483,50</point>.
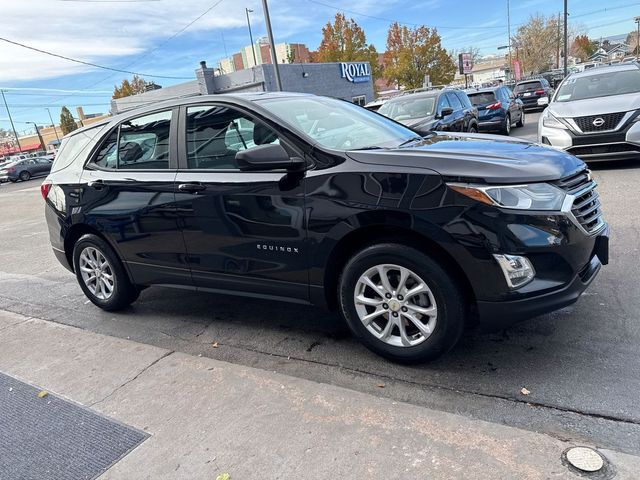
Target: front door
<point>128,195</point>
<point>243,231</point>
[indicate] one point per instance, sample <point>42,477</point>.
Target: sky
<point>168,38</point>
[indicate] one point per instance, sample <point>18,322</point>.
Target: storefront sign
<point>355,72</point>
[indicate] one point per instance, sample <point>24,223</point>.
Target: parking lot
<point>579,364</point>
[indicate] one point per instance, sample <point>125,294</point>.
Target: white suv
<point>595,114</point>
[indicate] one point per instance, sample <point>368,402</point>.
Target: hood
<point>596,106</point>
<point>419,122</point>
<point>478,158</point>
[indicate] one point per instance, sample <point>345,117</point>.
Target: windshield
<point>337,124</point>
<point>599,85</point>
<point>527,87</point>
<point>409,108</point>
<point>482,98</point>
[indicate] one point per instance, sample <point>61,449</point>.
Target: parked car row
<point>494,109</point>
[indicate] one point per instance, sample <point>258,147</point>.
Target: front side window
<point>216,133</point>
<point>442,103</point>
<point>454,101</point>
<point>138,144</point>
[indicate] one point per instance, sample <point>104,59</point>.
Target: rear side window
<point>76,146</point>
<point>138,144</point>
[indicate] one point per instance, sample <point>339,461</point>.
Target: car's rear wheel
<point>521,121</point>
<point>506,127</point>
<point>401,303</point>
<point>25,175</point>
<point>101,275</point>
<point>473,128</point>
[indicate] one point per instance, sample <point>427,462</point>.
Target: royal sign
<point>355,72</point>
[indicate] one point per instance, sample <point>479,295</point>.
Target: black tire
<point>13,180</point>
<point>506,127</point>
<point>124,292</point>
<point>448,298</point>
<point>521,121</point>
<point>473,128</point>
<point>25,175</point>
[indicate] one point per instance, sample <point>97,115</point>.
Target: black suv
<point>315,200</point>
<point>535,94</point>
<point>448,110</point>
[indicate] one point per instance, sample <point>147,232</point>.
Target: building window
<point>359,100</point>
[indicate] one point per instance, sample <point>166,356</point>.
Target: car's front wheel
<point>101,275</point>
<point>402,304</point>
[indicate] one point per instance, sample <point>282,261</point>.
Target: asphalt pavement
<point>580,365</point>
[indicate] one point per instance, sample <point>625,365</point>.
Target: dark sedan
<point>25,169</point>
<point>498,109</point>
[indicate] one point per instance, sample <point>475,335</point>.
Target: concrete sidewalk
<point>206,417</point>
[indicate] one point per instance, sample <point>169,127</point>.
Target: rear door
<point>243,231</point>
<point>128,195</point>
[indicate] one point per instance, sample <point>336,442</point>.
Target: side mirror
<point>268,157</point>
<point>445,111</point>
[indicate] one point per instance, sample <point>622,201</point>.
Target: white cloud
<point>96,32</point>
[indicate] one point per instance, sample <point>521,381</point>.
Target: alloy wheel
<point>395,305</point>
<point>96,273</point>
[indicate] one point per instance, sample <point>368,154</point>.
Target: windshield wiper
<point>370,147</point>
<point>411,140</point>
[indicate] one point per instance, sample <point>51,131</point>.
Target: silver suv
<point>595,114</point>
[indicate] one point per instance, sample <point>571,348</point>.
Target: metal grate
<point>50,438</point>
<point>586,204</point>
<point>599,123</point>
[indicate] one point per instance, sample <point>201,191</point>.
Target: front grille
<point>604,149</point>
<point>610,121</point>
<point>586,204</point>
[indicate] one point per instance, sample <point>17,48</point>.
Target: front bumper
<point>620,145</point>
<point>499,315</point>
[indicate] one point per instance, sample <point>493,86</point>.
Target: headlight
<point>548,120</point>
<point>537,196</point>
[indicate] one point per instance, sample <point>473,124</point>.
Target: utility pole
<point>274,58</point>
<point>253,47</point>
<point>558,44</point>
<point>42,145</point>
<point>566,15</point>
<point>509,44</point>
<point>11,120</point>
<point>637,20</point>
<point>53,124</point>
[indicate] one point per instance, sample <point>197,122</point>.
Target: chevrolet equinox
<point>315,200</point>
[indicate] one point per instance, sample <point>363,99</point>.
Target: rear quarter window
<point>76,147</point>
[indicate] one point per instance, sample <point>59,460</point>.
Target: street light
<point>274,58</point>
<point>253,47</point>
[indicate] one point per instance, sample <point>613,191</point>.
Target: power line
<point>398,21</point>
<point>90,63</point>
<point>136,60</point>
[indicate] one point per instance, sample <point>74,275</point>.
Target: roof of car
<point>483,90</point>
<point>152,107</point>
<point>430,93</point>
<point>607,68</point>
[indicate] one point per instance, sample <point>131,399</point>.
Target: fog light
<point>517,269</point>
